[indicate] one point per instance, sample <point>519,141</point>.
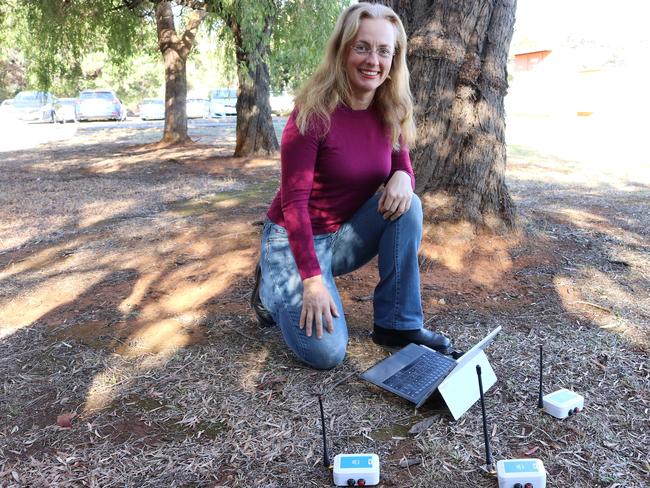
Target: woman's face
<point>370,57</point>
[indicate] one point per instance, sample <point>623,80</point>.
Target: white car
<point>281,104</point>
<point>223,101</point>
<point>7,108</point>
<point>65,110</point>
<point>34,106</point>
<point>197,108</point>
<point>152,109</point>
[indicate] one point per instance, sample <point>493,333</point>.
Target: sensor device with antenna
<point>511,473</point>
<point>350,469</point>
<point>561,403</point>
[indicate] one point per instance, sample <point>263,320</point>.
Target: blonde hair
<point>329,85</point>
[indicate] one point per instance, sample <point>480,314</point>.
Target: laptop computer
<point>415,371</point>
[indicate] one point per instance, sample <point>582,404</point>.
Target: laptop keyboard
<point>423,374</point>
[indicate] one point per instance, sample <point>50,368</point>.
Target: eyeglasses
<point>364,50</point>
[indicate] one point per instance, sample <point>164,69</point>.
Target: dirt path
<point>125,275</point>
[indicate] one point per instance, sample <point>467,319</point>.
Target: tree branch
<point>189,35</point>
<point>165,26</point>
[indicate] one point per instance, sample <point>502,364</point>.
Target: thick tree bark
<point>255,132</point>
<point>457,55</point>
<point>175,51</point>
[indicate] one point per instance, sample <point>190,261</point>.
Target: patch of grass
<point>198,206</point>
<point>13,411</point>
<point>146,403</point>
<point>389,432</point>
<point>211,429</point>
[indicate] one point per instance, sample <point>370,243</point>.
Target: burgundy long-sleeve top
<point>327,175</point>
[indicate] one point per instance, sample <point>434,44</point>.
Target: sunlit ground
<point>612,146</point>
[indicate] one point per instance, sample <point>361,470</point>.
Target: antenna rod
<point>540,402</point>
<point>488,452</point>
<point>326,455</point>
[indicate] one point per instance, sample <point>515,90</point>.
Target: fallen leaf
<point>366,298</point>
<point>274,383</point>
<point>65,420</point>
<point>599,364</point>
<point>532,451</point>
<point>405,463</point>
<point>423,425</point>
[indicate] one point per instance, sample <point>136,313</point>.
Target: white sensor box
<point>563,403</point>
<point>520,473</point>
<point>356,467</point>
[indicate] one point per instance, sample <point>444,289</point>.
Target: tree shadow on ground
<point>139,322</point>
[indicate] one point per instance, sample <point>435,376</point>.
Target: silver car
<point>100,105</point>
<point>152,109</point>
<point>34,106</point>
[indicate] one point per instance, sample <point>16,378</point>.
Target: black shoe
<point>395,339</point>
<point>264,318</point>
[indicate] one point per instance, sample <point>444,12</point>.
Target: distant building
<point>528,60</point>
<point>582,79</point>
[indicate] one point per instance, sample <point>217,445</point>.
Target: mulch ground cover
<point>129,355</point>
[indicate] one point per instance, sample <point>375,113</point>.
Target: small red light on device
<point>528,485</point>
<point>361,482</point>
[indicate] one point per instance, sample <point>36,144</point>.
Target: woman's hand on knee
<point>317,302</point>
<point>396,198</point>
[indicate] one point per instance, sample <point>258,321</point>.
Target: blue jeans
<point>397,303</point>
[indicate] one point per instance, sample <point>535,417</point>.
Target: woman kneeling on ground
<point>347,136</point>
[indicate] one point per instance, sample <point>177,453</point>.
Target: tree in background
<point>457,55</point>
<point>250,23</point>
<point>175,49</point>
<point>290,34</point>
<point>61,32</point>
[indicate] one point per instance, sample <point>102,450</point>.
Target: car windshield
<point>104,95</point>
<point>224,93</point>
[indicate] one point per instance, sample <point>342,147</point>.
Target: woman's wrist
<point>312,280</point>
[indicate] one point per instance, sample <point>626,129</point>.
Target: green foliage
<point>61,32</point>
<point>299,32</point>
<point>12,60</point>
<point>299,39</point>
<point>69,45</point>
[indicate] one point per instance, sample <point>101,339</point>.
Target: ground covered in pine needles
<point>129,356</point>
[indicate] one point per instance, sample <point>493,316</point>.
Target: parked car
<point>7,108</point>
<point>65,110</point>
<point>281,104</point>
<point>223,101</point>
<point>99,105</point>
<point>152,108</point>
<point>34,106</point>
<point>197,108</point>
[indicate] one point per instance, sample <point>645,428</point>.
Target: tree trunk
<point>457,55</point>
<point>175,51</point>
<point>255,132</point>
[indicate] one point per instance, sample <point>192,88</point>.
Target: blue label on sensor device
<point>520,466</point>
<point>561,396</point>
<point>356,462</point>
